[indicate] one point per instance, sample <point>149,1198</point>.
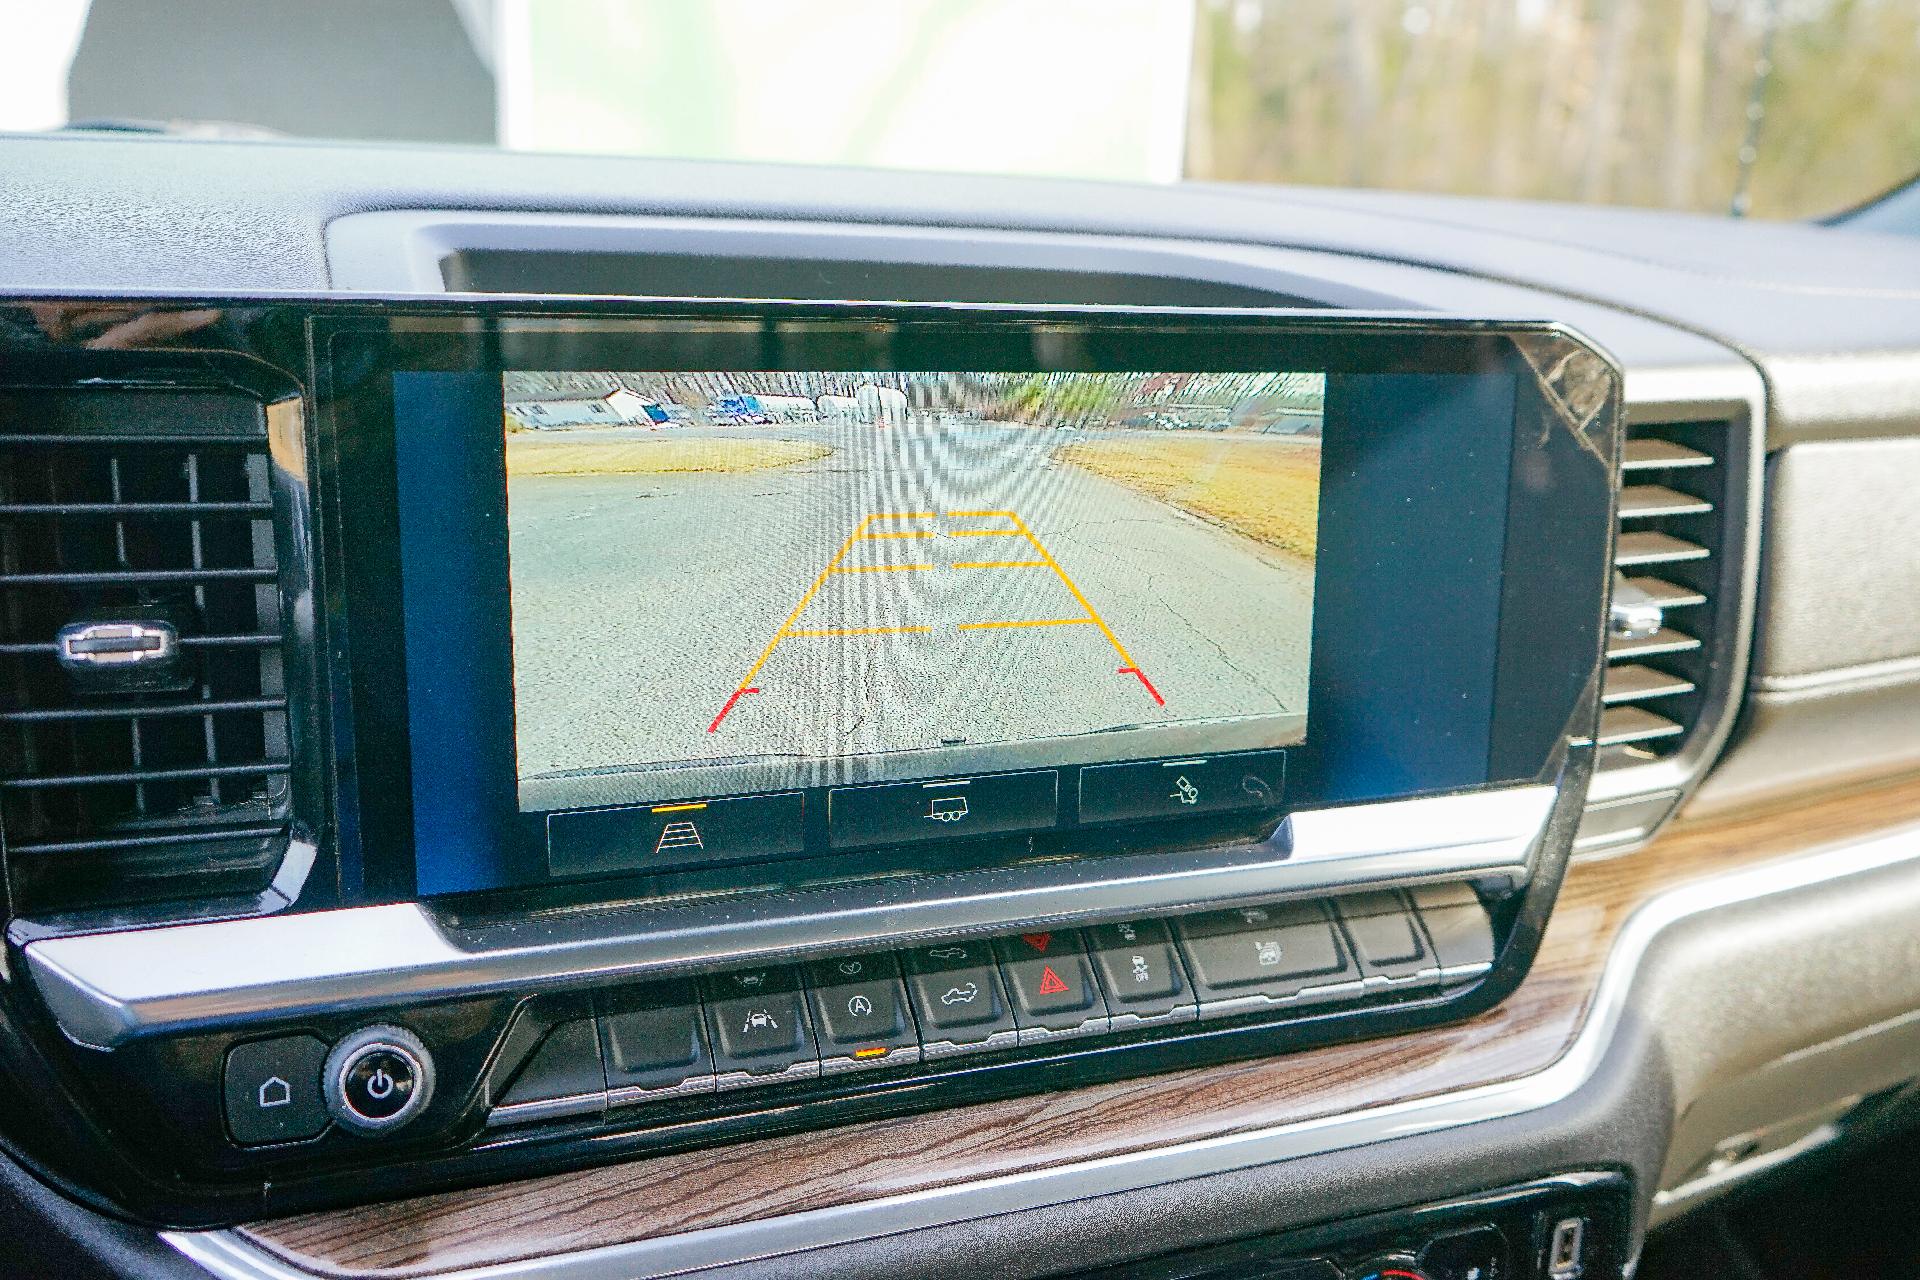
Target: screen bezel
<point>1550,612</point>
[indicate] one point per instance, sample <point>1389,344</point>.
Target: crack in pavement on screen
<point>1157,594</point>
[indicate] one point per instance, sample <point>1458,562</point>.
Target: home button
<point>271,1090</point>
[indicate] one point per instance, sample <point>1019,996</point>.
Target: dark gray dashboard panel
<point>1843,563</point>
<point>153,214</point>
<point>1834,695</point>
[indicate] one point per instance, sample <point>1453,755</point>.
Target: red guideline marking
<point>1134,671</point>
<point>730,701</point>
<point>1050,983</point>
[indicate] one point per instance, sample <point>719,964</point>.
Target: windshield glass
<point>1781,108</point>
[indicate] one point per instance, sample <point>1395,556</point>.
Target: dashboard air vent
<point>1672,490</point>
<point>143,716</point>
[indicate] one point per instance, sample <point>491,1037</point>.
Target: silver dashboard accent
<point>105,989</point>
<point>117,644</point>
<point>231,1256</point>
<point>1634,613</point>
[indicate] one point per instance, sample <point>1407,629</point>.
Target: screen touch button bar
<point>664,836</point>
<point>950,809</point>
<point>1173,788</point>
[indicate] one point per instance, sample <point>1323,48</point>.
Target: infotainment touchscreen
<point>750,582</point>
<point>702,597</point>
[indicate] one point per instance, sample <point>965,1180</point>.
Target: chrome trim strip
<point>573,1104</point>
<point>105,989</point>
<point>231,1257</point>
<point>1667,1204</point>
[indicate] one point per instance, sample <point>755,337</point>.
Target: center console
<point>698,721</point>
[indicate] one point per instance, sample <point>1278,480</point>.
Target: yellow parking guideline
<point>860,532</point>
<point>1093,614</point>
<point>677,808</point>
<point>805,600</point>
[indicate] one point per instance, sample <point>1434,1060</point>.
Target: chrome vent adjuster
<point>143,716</point>
<point>1680,510</point>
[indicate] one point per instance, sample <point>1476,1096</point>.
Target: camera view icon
<point>679,837</point>
<point>947,809</point>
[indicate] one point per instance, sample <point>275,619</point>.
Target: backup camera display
<point>740,582</point>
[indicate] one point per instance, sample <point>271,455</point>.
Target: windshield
<point>1780,108</point>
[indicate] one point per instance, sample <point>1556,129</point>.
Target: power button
<point>378,1079</point>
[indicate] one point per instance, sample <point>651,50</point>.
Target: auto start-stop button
<point>378,1079</point>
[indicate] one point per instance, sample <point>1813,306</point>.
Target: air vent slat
<point>1665,640</point>
<point>129,510</point>
<point>1637,682</point>
<point>1650,546</point>
<point>139,777</point>
<point>208,707</point>
<point>136,440</point>
<point>198,835</point>
<point>135,577</point>
<point>1644,501</point>
<point>1622,725</point>
<point>258,641</point>
<point>1669,595</point>
<point>1645,453</point>
<point>138,783</point>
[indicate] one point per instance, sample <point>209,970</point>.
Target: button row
<point>848,1013</point>
<point>751,828</point>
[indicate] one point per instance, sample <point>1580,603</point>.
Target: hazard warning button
<point>1051,985</point>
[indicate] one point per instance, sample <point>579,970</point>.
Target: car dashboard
<point>1568,885</point>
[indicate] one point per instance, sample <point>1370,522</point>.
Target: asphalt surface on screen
<point>936,584</point>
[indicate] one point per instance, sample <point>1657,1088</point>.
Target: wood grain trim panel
<point>670,1194</point>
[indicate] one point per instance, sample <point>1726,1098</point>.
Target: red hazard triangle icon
<point>1038,941</point>
<point>1050,984</point>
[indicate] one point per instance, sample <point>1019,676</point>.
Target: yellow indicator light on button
<point>878,1051</point>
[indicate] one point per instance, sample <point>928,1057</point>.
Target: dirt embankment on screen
<point>1267,488</point>
<point>537,457</point>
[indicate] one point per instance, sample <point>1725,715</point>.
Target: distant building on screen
<point>561,410</point>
